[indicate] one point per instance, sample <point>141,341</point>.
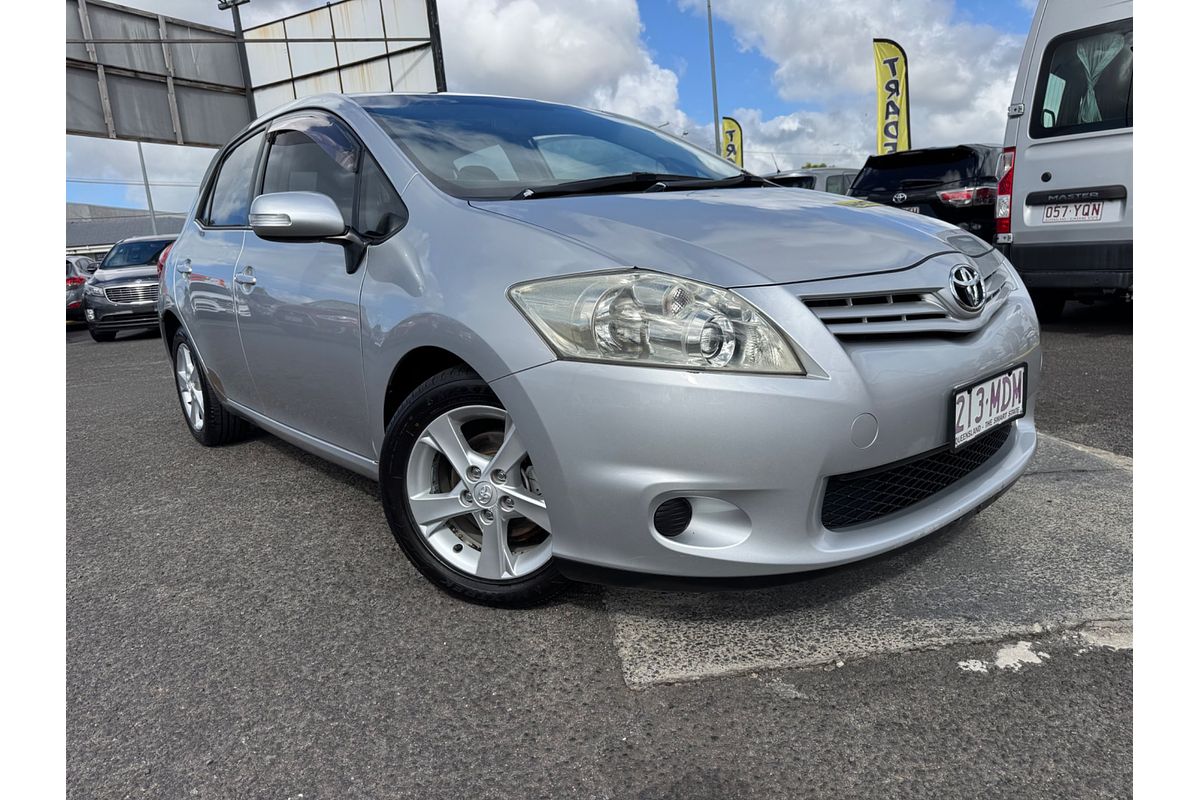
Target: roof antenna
<point>776,160</point>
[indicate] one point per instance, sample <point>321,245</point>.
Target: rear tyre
<point>461,495</point>
<point>102,336</point>
<point>206,416</point>
<point>1048,303</point>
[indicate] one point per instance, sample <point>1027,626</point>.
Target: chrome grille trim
<point>133,293</point>
<point>907,311</point>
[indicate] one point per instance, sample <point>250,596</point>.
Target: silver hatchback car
<point>568,345</point>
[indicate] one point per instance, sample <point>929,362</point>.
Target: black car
<point>956,184</point>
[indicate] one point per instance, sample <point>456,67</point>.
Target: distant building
<point>92,229</point>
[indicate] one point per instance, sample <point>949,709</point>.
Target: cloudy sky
<point>796,73</point>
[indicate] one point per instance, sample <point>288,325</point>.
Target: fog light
<point>91,315</point>
<point>672,517</point>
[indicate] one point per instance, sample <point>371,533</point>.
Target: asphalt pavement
<point>241,624</point>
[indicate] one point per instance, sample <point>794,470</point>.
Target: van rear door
<point>1072,190</point>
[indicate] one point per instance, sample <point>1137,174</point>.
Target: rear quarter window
<point>1086,82</point>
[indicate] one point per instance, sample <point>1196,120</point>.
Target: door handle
<point>244,279</point>
<point>184,266</point>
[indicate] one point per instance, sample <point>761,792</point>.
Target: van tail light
<point>1004,192</point>
<point>162,259</point>
<point>971,196</point>
<point>74,281</point>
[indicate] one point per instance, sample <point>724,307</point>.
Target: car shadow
<point>1102,318</point>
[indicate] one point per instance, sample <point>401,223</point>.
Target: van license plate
<point>1073,212</point>
<point>978,408</point>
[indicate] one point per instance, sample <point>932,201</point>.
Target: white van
<point>1064,210</point>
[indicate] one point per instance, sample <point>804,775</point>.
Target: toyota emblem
<point>967,284</point>
<point>899,197</point>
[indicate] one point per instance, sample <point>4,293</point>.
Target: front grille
<point>875,308</point>
<point>140,293</point>
<point>866,496</point>
<point>900,313</point>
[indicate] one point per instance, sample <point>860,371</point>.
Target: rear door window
<point>1086,82</point>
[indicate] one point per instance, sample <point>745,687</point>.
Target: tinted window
<point>1086,82</point>
<point>440,132</point>
<point>297,163</point>
<point>230,204</point>
<point>920,169</point>
<point>380,209</point>
<point>134,254</point>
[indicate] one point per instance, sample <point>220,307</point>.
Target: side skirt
<point>330,452</point>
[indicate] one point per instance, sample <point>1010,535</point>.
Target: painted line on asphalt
<point>1053,554</point>
<point>1117,460</point>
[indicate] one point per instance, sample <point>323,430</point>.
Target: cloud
<point>961,73</point>
<point>590,54</point>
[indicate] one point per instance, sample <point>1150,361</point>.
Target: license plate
<point>913,209</point>
<point>1073,212</point>
<point>980,407</point>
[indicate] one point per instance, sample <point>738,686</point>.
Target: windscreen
<point>921,169</point>
<point>134,254</point>
<point>491,147</point>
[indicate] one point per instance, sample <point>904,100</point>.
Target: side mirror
<point>296,215</point>
<point>90,265</point>
<point>305,217</point>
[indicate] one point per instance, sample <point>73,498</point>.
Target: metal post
<point>712,60</point>
<point>146,185</point>
<point>245,62</point>
<point>435,45</point>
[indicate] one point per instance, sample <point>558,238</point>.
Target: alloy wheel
<point>474,496</point>
<point>191,393</point>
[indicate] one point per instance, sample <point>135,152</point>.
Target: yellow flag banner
<point>891,89</point>
<point>731,138</point>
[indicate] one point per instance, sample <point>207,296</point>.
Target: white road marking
<point>1054,554</point>
<point>1015,656</point>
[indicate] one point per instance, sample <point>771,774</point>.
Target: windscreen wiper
<point>644,181</point>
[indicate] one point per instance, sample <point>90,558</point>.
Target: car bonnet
<point>738,237</point>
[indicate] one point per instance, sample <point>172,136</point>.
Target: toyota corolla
<point>569,345</point>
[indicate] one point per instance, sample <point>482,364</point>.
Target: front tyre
<point>461,495</point>
<point>207,418</point>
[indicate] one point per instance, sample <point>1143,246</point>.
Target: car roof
<point>150,238</point>
<point>797,173</point>
<point>978,148</point>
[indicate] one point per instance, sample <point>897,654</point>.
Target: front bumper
<point>102,314</point>
<point>610,443</point>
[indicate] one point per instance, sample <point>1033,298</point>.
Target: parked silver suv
<point>568,345</point>
<point>122,292</point>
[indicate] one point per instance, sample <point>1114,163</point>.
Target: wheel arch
<point>414,368</point>
<point>168,324</point>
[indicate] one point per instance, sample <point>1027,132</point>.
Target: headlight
<point>654,320</point>
<point>93,290</point>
